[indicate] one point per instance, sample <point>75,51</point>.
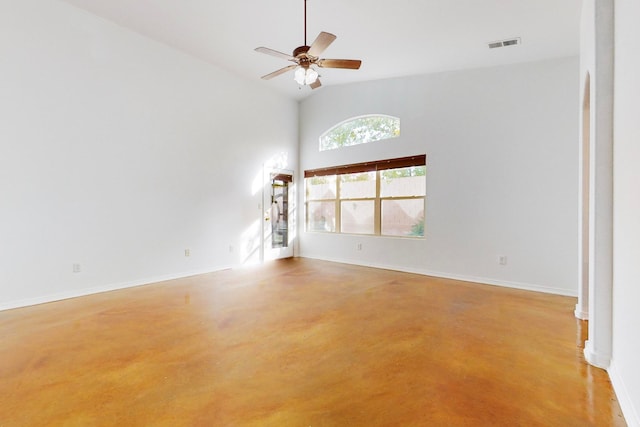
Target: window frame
<point>376,166</point>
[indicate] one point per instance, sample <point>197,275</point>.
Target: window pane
<point>357,216</point>
<point>403,182</point>
<point>321,187</point>
<point>321,216</point>
<point>358,185</point>
<point>403,217</point>
<point>360,130</point>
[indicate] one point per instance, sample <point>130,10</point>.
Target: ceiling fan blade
<point>316,84</point>
<point>274,53</point>
<point>351,64</point>
<point>278,72</point>
<point>321,43</point>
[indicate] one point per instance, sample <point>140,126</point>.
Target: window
<point>384,198</point>
<point>360,130</point>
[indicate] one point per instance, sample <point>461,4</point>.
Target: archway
<point>584,277</point>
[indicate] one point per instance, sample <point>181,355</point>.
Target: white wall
<point>501,146</point>
<point>626,274</point>
<point>118,153</point>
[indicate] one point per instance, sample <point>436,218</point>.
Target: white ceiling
<point>392,38</point>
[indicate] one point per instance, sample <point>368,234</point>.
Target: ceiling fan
<point>305,57</point>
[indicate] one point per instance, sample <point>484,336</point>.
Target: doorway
<point>277,235</point>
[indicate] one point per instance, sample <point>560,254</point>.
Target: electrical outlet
<point>230,248</point>
<point>502,260</point>
<point>187,252</point>
<point>76,268</point>
<point>359,246</point>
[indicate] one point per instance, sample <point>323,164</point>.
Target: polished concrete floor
<point>302,343</point>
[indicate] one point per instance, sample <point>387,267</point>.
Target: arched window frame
<point>326,143</point>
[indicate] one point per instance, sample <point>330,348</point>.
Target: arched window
<point>360,130</point>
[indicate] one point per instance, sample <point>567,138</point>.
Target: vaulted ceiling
<point>392,38</point>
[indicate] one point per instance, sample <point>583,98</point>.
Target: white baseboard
<point>594,358</point>
<point>106,288</point>
<point>115,286</point>
<point>631,413</point>
<point>464,278</point>
<point>580,313</point>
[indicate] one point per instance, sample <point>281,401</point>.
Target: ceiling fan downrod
<point>305,22</point>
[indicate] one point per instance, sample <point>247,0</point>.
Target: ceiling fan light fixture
<point>305,76</point>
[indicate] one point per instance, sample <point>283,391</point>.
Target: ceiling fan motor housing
<point>300,53</point>
<point>300,50</point>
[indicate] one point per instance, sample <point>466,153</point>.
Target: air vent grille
<point>503,43</point>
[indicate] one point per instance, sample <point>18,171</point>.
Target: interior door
<point>278,215</point>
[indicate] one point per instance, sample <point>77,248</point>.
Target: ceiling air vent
<point>503,43</point>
